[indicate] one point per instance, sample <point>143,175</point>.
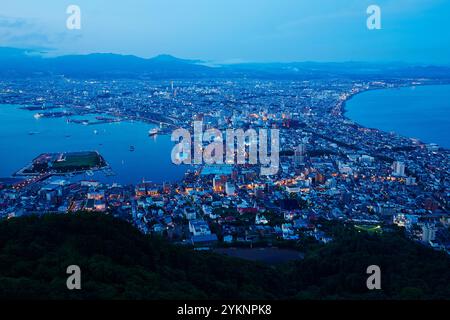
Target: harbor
<point>149,158</point>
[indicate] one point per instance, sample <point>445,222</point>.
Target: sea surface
<point>421,112</point>
<point>22,138</point>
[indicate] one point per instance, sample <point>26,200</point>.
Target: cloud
<point>10,22</point>
<point>33,34</point>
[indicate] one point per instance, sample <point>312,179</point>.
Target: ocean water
<point>421,112</point>
<point>150,160</point>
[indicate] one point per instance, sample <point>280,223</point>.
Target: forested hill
<point>118,262</point>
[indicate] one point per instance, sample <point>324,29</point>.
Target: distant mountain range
<point>25,63</point>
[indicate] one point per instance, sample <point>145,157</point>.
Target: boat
<point>38,115</point>
<point>131,148</point>
<point>153,132</point>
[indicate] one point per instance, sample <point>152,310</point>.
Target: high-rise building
<point>230,190</point>
<point>219,183</point>
<point>428,232</point>
<point>398,168</point>
<point>299,155</point>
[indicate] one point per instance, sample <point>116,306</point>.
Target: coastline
<point>113,144</point>
<point>344,108</point>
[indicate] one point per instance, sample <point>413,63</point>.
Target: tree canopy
<point>118,262</point>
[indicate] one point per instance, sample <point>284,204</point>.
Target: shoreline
<point>113,172</point>
<point>103,167</point>
<point>344,110</point>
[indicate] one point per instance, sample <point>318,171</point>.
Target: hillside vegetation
<point>118,262</point>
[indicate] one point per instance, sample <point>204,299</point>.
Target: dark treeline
<point>118,262</point>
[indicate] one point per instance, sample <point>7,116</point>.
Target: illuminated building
<point>398,168</point>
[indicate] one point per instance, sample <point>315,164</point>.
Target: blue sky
<point>235,30</point>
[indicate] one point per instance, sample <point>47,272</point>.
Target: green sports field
<point>78,160</point>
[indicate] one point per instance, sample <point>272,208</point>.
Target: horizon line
<point>45,52</point>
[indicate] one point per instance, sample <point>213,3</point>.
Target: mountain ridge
<point>15,62</point>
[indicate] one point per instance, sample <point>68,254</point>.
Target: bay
<point>22,138</point>
<point>421,112</point>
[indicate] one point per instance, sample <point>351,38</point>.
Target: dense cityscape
<point>225,159</point>
<point>331,168</point>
